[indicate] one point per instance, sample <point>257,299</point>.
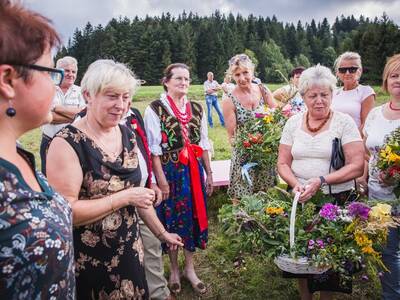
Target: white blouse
<point>153,128</point>
<point>349,102</point>
<point>376,128</point>
<point>312,154</point>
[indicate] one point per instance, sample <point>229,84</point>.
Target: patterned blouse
<point>36,249</point>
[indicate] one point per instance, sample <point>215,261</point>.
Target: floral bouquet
<point>388,162</point>
<point>345,239</point>
<point>257,141</point>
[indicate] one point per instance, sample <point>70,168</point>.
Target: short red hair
<point>25,35</point>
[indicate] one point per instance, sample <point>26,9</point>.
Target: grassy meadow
<point>228,273</point>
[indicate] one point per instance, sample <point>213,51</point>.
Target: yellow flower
<point>274,210</point>
<point>368,250</point>
<point>393,157</point>
<point>386,152</point>
<point>362,239</point>
<point>381,212</point>
<point>268,119</point>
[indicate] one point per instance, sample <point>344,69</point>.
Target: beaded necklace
<point>320,126</point>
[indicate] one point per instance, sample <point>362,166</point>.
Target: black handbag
<point>337,156</point>
<point>338,160</point>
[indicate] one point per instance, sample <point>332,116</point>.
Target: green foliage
<point>275,61</point>
<point>206,43</point>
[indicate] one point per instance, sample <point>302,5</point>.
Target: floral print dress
<point>36,250</point>
<point>238,187</point>
<point>109,252</point>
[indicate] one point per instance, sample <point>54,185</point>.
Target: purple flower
<point>320,244</point>
<point>380,274</point>
<point>358,209</point>
<point>259,115</point>
<point>329,211</point>
<point>311,244</point>
<point>365,278</point>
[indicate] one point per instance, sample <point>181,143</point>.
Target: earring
<point>10,111</point>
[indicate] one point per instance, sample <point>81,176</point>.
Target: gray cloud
<point>68,15</point>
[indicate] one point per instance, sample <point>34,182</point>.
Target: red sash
<point>188,156</point>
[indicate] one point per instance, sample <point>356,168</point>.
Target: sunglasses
<point>351,70</point>
<point>56,75</point>
<point>237,58</point>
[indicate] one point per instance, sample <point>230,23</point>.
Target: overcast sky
<point>68,15</point>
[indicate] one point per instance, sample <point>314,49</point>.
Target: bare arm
<point>207,168</point>
<point>159,173</point>
<point>64,163</point>
<point>267,96</point>
<point>228,110</point>
<point>150,218</point>
<point>285,159</point>
<point>354,168</point>
<point>280,94</point>
<point>64,114</point>
<point>366,107</point>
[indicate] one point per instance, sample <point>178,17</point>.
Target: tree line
<point>206,43</point>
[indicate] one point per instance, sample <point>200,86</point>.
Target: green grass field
<point>228,273</point>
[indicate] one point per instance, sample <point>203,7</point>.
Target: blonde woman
<point>381,121</point>
<point>352,98</point>
<point>245,100</point>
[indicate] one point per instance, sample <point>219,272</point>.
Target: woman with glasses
<point>100,159</point>
<point>240,105</point>
<point>36,249</point>
<point>177,136</point>
<point>352,98</point>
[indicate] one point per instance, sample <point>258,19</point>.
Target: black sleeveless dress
<point>109,252</point>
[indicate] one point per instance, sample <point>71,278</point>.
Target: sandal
<point>200,288</point>
<point>174,287</point>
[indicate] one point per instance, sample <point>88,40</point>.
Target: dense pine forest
<point>206,43</point>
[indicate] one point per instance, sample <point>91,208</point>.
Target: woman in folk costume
<point>177,136</point>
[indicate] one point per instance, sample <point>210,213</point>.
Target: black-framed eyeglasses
<point>56,75</point>
<point>237,58</point>
<point>351,70</point>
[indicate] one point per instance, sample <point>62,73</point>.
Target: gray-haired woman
<point>305,154</point>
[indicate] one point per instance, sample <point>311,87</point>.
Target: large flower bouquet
<point>388,162</point>
<point>344,239</point>
<point>257,141</point>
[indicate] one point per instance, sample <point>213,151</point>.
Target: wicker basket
<point>298,265</point>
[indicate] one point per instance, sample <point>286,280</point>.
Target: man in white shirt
<point>67,102</point>
<point>211,88</point>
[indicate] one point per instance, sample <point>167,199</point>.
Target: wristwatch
<point>323,181</point>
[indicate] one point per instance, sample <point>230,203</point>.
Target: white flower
<point>49,243</point>
<point>35,220</point>
<point>57,244</point>
<point>60,255</point>
<point>53,288</point>
<point>7,269</point>
<point>38,250</point>
<point>12,196</point>
<point>27,215</point>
